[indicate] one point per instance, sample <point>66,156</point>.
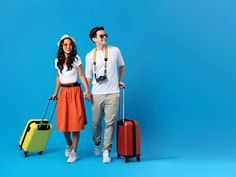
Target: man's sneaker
<point>97,150</point>
<point>73,157</point>
<point>68,151</point>
<point>106,157</point>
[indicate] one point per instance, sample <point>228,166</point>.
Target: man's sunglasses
<point>103,35</point>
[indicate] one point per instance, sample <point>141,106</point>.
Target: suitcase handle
<point>45,111</point>
<point>123,105</point>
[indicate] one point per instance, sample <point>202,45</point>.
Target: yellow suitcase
<point>36,134</point>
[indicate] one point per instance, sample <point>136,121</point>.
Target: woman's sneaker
<point>73,157</point>
<point>68,151</point>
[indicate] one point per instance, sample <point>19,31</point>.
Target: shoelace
<point>72,155</point>
<point>68,148</point>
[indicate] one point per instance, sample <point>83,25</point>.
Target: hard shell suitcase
<point>36,134</point>
<point>128,138</point>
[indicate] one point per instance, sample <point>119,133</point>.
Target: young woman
<point>71,116</point>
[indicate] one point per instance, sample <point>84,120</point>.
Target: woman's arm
<point>84,82</point>
<point>54,96</point>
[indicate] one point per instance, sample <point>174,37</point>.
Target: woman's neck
<point>66,56</point>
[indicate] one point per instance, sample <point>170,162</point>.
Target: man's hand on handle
<point>122,85</point>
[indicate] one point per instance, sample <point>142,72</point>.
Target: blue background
<point>180,76</point>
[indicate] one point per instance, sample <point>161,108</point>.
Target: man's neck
<point>101,47</point>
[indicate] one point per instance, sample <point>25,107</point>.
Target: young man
<point>101,67</point>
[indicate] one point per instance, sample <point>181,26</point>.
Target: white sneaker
<point>97,150</point>
<point>73,157</point>
<point>68,151</point>
<point>106,157</point>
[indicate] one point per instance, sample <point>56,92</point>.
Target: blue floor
<point>53,162</point>
<point>180,62</point>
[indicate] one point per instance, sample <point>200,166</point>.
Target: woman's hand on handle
<point>53,97</point>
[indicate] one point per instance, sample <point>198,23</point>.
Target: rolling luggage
<point>128,137</point>
<point>36,133</point>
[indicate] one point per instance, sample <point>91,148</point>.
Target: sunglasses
<point>103,35</point>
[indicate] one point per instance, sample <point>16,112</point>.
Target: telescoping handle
<point>122,105</point>
<point>45,111</point>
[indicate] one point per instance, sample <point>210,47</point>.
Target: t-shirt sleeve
<point>56,63</point>
<point>120,60</point>
<point>78,62</point>
<point>88,67</point>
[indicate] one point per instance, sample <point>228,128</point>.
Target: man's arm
<point>121,76</point>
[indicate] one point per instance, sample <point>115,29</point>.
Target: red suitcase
<point>128,138</point>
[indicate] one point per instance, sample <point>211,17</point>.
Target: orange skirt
<point>71,116</point>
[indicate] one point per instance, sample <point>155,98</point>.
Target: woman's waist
<point>70,84</point>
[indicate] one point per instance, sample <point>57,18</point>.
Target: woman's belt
<point>70,85</point>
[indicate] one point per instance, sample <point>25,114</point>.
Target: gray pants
<point>107,105</point>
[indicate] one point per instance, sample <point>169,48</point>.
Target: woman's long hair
<point>61,56</point>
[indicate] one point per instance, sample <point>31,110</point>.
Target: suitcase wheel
<point>41,152</point>
<point>126,159</point>
<point>118,156</point>
<point>25,154</point>
<point>138,158</point>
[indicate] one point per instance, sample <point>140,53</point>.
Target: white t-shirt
<point>115,60</point>
<point>69,76</point>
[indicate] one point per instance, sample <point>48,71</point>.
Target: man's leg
<point>111,110</point>
<point>97,112</point>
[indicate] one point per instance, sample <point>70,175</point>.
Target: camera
<point>101,78</point>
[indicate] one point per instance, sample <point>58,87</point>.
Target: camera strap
<point>94,61</point>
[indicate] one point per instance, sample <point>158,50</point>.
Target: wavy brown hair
<point>61,56</point>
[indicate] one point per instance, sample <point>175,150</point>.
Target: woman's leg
<point>75,140</point>
<point>68,138</point>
